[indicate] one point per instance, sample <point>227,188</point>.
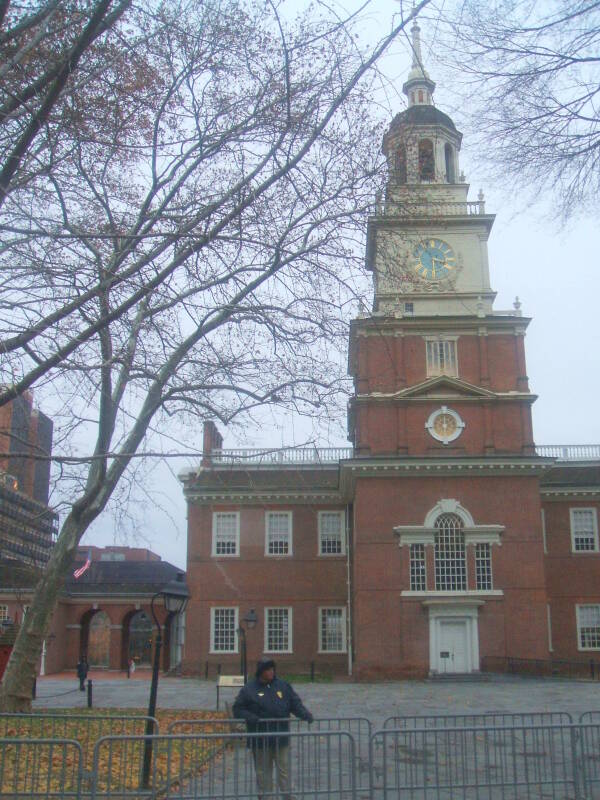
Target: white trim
<point>290,551</point>
<point>212,630</point>
<point>214,553</point>
<point>549,621</point>
<point>290,629</point>
<point>449,506</point>
<point>440,594</point>
<point>594,514</point>
<point>320,628</point>
<point>342,514</point>
<point>578,608</point>
<point>544,539</point>
<point>443,438</point>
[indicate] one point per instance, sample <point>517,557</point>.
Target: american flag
<point>79,572</point>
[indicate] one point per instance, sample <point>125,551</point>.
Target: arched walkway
<point>138,636</point>
<point>95,638</point>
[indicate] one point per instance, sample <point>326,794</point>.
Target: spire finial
<point>419,86</point>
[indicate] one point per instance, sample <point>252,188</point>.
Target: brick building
<point>444,539</point>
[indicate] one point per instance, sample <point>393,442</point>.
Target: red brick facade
<point>457,549</point>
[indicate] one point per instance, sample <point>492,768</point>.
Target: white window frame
<point>214,553</point>
<point>342,515</point>
<point>3,612</point>
<point>593,511</point>
<point>344,629</point>
<point>290,648</point>
<point>578,608</point>
<point>290,551</point>
<point>236,623</point>
<point>431,371</point>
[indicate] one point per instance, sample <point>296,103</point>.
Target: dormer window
<point>450,176</point>
<point>400,164</point>
<point>426,160</point>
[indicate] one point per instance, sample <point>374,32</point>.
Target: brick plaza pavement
<point>375,701</point>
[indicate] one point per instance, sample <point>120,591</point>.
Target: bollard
<point>89,693</point>
<point>34,689</point>
<point>592,668</point>
<point>206,671</point>
<point>218,669</point>
<point>312,671</point>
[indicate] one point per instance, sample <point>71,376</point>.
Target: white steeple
<point>419,87</point>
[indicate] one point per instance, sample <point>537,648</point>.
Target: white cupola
<point>418,87</point>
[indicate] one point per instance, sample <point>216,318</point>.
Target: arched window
<point>449,163</point>
<point>450,559</point>
<point>426,160</point>
<point>400,165</point>
<point>420,95</point>
<point>140,638</point>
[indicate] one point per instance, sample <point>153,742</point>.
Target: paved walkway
<point>375,701</point>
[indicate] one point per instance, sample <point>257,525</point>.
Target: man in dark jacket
<point>266,704</point>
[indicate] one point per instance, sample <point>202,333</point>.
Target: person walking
<point>82,671</point>
<point>266,704</point>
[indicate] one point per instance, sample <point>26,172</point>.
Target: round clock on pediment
<point>434,260</point>
<point>445,425</point>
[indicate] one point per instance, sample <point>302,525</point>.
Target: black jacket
<point>82,669</point>
<point>258,702</point>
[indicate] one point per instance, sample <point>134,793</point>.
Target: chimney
<point>211,440</point>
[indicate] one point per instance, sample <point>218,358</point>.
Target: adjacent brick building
<point>444,539</point>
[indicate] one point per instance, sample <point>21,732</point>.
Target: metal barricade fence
<point>359,727</point>
<point>224,766</point>
<point>489,719</point>
<point>40,768</point>
<point>510,762</point>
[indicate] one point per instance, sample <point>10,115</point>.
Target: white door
<point>453,654</point>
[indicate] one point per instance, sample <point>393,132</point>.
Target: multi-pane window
<point>441,357</point>
<point>278,630</point>
<point>418,579</point>
<point>483,566</point>
<point>279,533</point>
<point>332,630</point>
<point>331,533</point>
<point>3,613</point>
<point>226,533</point>
<point>450,561</point>
<point>588,627</point>
<point>223,630</point>
<point>584,530</point>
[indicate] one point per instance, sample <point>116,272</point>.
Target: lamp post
<point>250,619</point>
<point>175,596</point>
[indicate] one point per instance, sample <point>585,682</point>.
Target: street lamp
<point>174,596</point>
<point>250,619</point>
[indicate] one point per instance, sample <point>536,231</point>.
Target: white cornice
<point>209,497</point>
<point>556,494</point>
<point>445,597</point>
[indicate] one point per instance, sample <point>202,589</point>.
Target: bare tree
<point>530,74</point>
<point>197,264</point>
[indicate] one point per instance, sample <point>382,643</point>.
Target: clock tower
<point>437,369</point>
<point>441,425</point>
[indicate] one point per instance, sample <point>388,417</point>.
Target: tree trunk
<point>22,668</point>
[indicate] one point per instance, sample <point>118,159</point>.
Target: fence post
<point>579,778</point>
<point>89,693</point>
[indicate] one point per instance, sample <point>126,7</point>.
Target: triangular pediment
<point>445,386</point>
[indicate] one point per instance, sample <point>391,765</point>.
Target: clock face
<point>434,259</point>
<point>445,425</point>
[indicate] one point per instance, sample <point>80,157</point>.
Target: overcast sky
<point>554,270</point>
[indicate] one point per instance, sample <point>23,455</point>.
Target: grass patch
<point>36,767</point>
